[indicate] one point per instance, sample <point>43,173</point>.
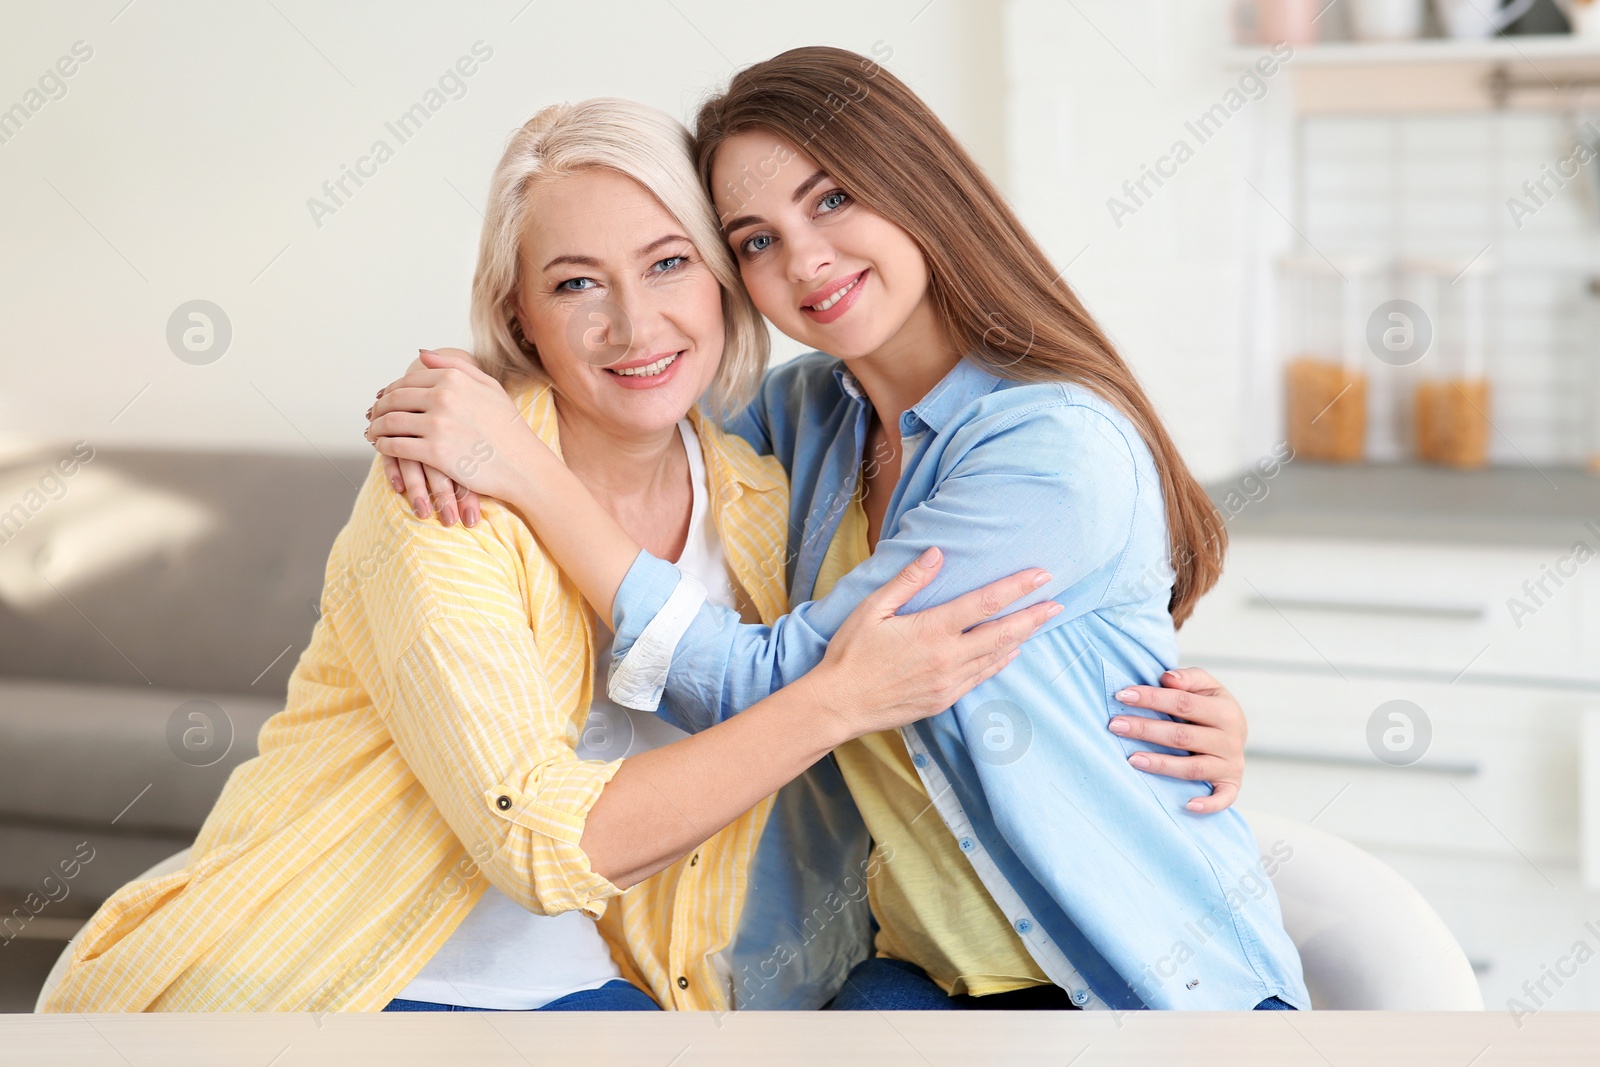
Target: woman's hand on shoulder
<point>448,433</point>
<point>1207,722</point>
<point>427,490</point>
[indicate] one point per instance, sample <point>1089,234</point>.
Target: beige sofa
<point>152,607</point>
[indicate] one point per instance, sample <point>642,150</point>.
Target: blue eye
<point>832,201</point>
<point>575,285</point>
<point>671,263</point>
<point>756,244</point>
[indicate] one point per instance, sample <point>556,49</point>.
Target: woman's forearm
<point>587,543</point>
<point>881,671</point>
<point>666,802</point>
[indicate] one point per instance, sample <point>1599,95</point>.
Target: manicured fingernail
<point>1053,610</point>
<point>399,486</point>
<point>1129,696</point>
<point>447,517</point>
<point>1041,578</point>
<point>1140,760</point>
<point>1195,805</point>
<point>470,516</point>
<point>420,506</point>
<point>927,558</point>
<point>1119,726</point>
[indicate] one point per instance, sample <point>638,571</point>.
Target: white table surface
<point>931,1039</point>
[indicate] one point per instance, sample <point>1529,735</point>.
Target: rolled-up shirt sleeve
<point>639,680</point>
<point>465,690</point>
<point>514,789</point>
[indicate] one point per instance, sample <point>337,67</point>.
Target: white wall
<point>1098,90</point>
<point>179,161</point>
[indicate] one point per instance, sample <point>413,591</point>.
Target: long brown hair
<point>994,291</point>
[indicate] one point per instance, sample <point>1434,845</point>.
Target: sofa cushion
<point>74,754</point>
<point>38,860</point>
<point>189,571</point>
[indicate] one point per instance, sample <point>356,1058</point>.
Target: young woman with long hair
<point>961,399</point>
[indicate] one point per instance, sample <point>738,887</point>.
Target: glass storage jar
<point>1452,399</point>
<point>1322,331</point>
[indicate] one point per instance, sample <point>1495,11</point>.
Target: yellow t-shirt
<point>931,907</point>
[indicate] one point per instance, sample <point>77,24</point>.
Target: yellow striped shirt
<point>425,751</point>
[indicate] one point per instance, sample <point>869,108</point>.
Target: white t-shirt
<point>504,957</point>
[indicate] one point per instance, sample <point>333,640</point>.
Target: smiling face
<point>827,271</point>
<point>626,317</point>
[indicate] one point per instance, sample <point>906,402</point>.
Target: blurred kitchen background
<point>1349,246</point>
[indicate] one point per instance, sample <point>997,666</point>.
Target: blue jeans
<point>615,995</point>
<point>894,985</point>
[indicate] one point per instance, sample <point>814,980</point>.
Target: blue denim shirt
<point>1123,897</point>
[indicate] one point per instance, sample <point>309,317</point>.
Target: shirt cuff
<point>639,679</point>
<point>640,598</point>
<point>555,813</point>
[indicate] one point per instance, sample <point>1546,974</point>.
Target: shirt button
<point>1080,997</point>
<point>967,844</point>
<point>694,859</point>
<point>504,803</point>
<point>920,760</point>
<point>1024,925</point>
<point>683,983</point>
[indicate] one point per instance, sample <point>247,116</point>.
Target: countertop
<point>1545,506</point>
<point>778,1039</point>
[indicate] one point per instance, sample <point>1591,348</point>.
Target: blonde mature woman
<point>422,827</point>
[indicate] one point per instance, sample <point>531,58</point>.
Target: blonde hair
<point>654,150</point>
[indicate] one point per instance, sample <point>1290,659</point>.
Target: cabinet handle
<point>1589,797</point>
<point>1350,607</point>
<point>1366,763</point>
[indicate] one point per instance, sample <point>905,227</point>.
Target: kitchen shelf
<point>1439,75</point>
<point>1431,50</point>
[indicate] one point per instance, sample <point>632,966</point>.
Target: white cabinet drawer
<point>1430,610</point>
<point>1500,776</point>
<point>1514,924</point>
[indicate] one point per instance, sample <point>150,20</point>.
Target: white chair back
<point>1368,940</point>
